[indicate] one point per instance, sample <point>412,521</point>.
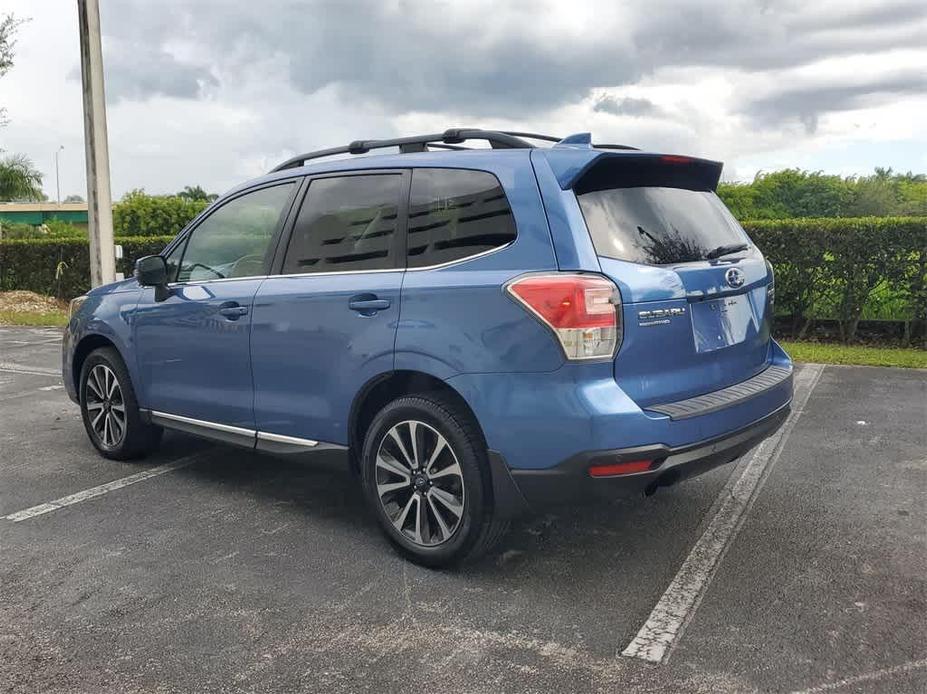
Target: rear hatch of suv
<point>696,293</point>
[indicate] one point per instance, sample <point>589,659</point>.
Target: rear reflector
<point>584,311</point>
<point>615,469</point>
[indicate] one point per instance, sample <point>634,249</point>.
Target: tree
<point>140,214</point>
<point>8,26</point>
<point>74,198</point>
<point>196,193</point>
<point>19,179</point>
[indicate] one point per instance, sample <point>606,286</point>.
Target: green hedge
<point>61,267</point>
<point>847,268</point>
<point>844,269</point>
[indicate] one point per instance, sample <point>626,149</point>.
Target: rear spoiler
<point>583,173</point>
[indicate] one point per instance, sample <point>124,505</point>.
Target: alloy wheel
<point>420,483</point>
<point>105,406</point>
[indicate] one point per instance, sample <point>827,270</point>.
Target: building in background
<point>38,213</point>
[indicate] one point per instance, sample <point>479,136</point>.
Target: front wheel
<point>109,408</point>
<point>426,476</point>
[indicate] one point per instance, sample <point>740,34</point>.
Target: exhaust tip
<point>667,479</point>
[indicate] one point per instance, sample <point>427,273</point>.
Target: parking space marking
<point>676,607</point>
<point>31,370</point>
<point>102,489</point>
<point>868,677</point>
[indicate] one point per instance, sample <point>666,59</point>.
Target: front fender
<point>105,317</point>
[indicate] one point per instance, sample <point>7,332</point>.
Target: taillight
<point>771,290</point>
<point>583,311</point>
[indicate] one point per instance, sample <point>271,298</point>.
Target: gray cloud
<point>807,102</point>
<point>410,57</point>
<point>146,71</point>
<point>625,106</point>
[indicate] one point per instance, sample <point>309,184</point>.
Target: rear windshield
<point>657,226</point>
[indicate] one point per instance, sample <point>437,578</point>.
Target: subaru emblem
<point>734,277</point>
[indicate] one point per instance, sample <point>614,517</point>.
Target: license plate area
<point>719,323</point>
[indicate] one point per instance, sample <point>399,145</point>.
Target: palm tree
<point>19,179</point>
<point>196,193</point>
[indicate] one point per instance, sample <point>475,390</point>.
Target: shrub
<point>833,267</point>
<point>838,268</point>
<point>61,266</point>
<point>58,229</point>
<point>17,230</point>
<point>140,214</point>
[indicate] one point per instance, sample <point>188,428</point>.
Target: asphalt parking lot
<point>801,568</point>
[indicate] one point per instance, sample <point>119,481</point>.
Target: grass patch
<point>21,307</point>
<point>825,353</point>
<point>34,318</point>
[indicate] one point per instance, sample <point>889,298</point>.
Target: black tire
<point>136,438</point>
<point>478,527</point>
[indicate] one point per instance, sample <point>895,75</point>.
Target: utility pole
<point>99,199</point>
<point>57,176</point>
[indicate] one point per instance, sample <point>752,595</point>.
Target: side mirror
<point>151,271</point>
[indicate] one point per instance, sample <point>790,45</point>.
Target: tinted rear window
<point>657,225</point>
<point>345,223</point>
<point>454,214</point>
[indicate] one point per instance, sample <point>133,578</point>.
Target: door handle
<point>368,305</point>
<point>233,311</point>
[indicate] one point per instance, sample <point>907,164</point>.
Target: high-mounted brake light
<point>583,311</point>
<point>675,159</point>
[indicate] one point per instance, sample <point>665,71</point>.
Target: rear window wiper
<point>726,250</point>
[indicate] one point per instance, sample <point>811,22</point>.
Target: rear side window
<point>345,223</point>
<point>656,226</point>
<point>454,214</point>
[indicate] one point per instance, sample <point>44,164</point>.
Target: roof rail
<point>449,139</point>
<point>533,136</point>
<point>418,143</point>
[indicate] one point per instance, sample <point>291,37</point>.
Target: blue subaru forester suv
<point>484,329</point>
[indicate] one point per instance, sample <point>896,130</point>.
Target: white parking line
<point>100,490</point>
<point>678,604</point>
<point>868,677</point>
<point>32,370</point>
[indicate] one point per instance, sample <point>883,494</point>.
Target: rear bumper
<point>536,421</point>
<point>571,478</point>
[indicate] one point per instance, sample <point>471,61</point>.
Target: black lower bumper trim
<point>570,478</point>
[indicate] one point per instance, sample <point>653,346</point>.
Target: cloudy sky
<point>213,92</point>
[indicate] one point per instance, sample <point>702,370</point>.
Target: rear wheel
<point>426,476</point>
<point>109,408</point>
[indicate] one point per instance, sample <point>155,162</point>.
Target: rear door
<point>326,323</point>
<point>694,287</point>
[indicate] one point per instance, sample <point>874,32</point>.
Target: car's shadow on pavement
<point>548,542</point>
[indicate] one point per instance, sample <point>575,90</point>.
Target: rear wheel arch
<point>383,389</point>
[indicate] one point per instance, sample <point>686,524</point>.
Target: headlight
<point>75,305</point>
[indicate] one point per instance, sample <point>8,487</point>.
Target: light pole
<point>57,176</point>
<point>99,202</point>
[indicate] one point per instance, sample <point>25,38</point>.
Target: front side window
<point>454,214</point>
<point>234,240</point>
<point>345,223</point>
<point>173,259</point>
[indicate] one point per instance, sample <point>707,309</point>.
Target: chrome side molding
<point>239,436</point>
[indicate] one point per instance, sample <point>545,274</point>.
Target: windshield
<point>657,226</point>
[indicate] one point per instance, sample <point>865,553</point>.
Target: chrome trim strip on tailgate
<point>726,397</point>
